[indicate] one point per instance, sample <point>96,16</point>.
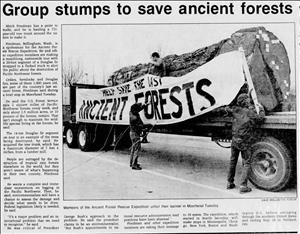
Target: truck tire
<point>84,138</point>
<point>71,136</point>
<point>271,167</point>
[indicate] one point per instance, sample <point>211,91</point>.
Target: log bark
<point>266,57</point>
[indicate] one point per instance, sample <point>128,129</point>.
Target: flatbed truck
<point>273,167</point>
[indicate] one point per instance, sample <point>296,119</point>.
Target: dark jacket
<point>159,69</point>
<point>136,124</point>
<point>244,123</point>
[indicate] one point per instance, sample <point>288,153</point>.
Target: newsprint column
<point>30,120</point>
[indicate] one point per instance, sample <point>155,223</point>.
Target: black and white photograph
<point>179,111</point>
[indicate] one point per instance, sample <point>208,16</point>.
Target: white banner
<point>172,99</point>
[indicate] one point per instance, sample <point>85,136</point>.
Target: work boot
<point>230,185</point>
<point>136,167</point>
<point>135,164</point>
<point>245,189</point>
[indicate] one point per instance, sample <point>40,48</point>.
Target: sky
<point>103,49</point>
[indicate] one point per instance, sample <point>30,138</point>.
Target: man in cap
<point>159,65</point>
<point>245,119</point>
<point>136,129</point>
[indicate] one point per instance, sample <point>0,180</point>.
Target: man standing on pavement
<point>245,119</point>
<point>136,128</point>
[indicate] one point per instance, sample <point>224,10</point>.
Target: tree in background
<point>72,72</point>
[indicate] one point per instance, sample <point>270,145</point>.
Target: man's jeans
<point>135,148</point>
<point>246,156</point>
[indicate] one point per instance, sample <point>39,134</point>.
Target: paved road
<point>174,167</point>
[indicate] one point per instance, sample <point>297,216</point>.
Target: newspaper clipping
<point>149,116</point>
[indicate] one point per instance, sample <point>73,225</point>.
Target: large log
<point>266,57</point>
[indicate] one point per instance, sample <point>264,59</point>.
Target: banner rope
<point>140,140</point>
<point>120,137</point>
<point>122,134</point>
<point>106,138</point>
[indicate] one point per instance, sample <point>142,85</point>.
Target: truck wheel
<point>271,167</point>
<point>84,138</point>
<point>71,136</point>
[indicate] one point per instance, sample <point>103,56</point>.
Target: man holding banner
<point>159,65</point>
<point>136,128</point>
<point>245,120</point>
